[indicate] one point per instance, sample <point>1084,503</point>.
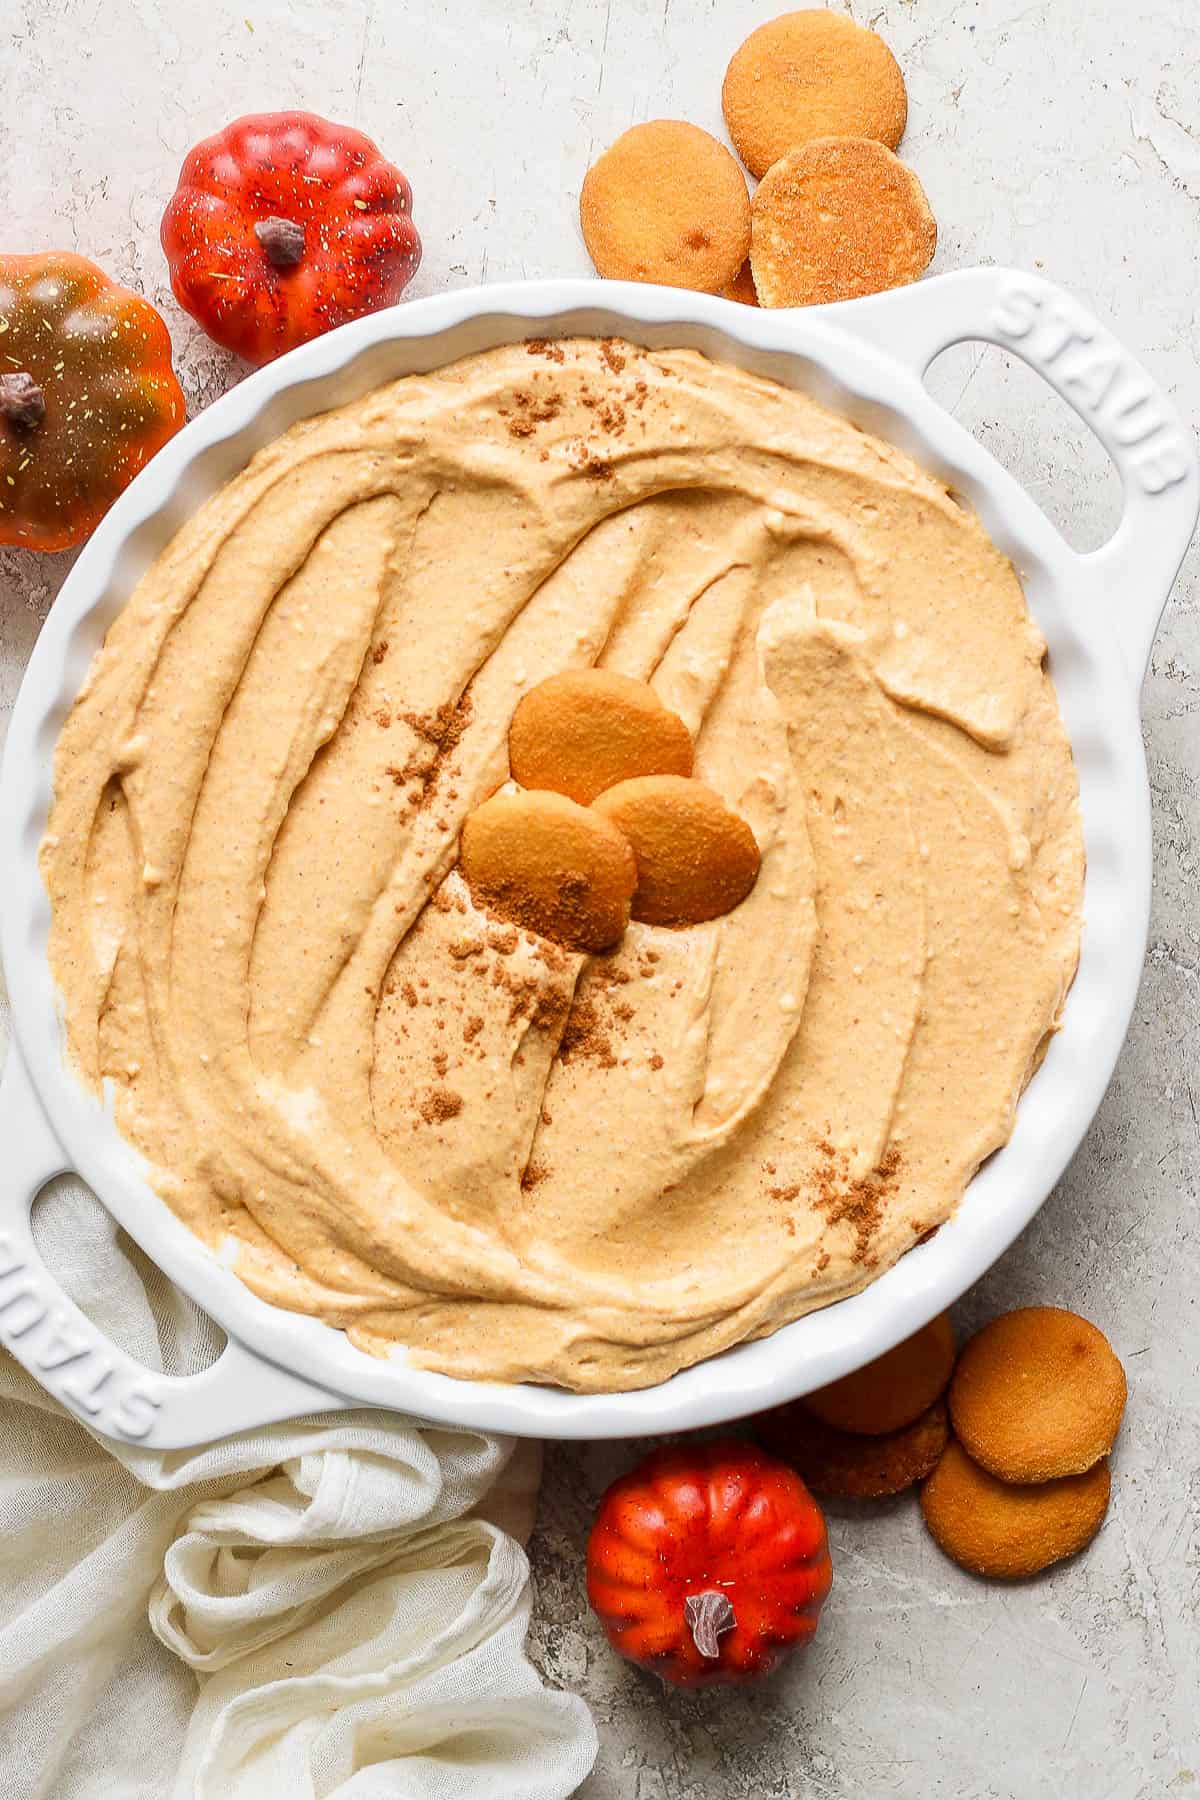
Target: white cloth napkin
<point>330,1609</point>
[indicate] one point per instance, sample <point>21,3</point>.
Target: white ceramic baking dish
<point>1098,612</point>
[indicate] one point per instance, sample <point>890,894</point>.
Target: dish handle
<point>1131,576</point>
<point>74,1360</point>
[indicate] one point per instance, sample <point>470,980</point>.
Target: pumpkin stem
<point>709,1616</point>
<point>282,241</point>
<point>22,401</point>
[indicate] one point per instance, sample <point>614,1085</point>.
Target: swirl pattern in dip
<point>435,1130</point>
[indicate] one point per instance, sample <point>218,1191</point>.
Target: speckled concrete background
<point>1063,135</point>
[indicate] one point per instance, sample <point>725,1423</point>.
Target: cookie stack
<point>816,106</point>
<point>602,820</point>
<point>1036,1402</point>
<point>1011,1441</point>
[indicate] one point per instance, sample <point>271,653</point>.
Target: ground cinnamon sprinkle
<point>608,973</point>
<point>656,1061</point>
<point>534,1171</point>
<point>472,1028</point>
<point>859,1204</point>
<point>383,718</point>
<point>444,726</point>
<point>612,355</point>
<point>410,994</point>
<point>584,1036</point>
<point>544,347</point>
<point>535,410</point>
<point>379,652</point>
<point>542,1009</point>
<point>419,766</point>
<point>438,733</point>
<point>549,1011</point>
<point>440,1104</point>
<point>584,460</point>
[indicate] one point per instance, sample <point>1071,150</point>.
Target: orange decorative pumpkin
<point>87,395</point>
<point>708,1563</point>
<point>284,225</point>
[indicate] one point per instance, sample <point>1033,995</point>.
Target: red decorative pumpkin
<point>87,395</point>
<point>283,226</point>
<point>708,1562</point>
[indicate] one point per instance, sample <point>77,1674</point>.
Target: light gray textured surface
<point>1062,135</point>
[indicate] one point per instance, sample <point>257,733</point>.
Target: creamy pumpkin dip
<point>436,1130</point>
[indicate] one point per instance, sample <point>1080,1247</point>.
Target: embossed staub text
<point>68,1355</point>
<point>1089,367</point>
